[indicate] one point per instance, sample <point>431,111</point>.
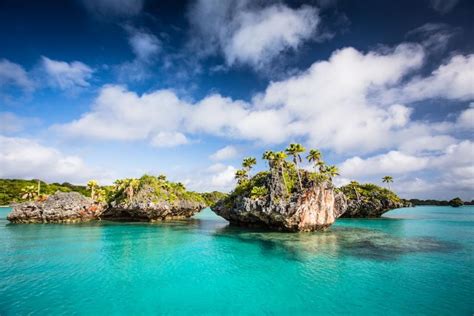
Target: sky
<point>106,89</point>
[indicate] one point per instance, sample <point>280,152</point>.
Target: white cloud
<point>114,7</point>
<point>393,162</point>
<point>14,75</point>
<point>26,159</point>
<point>330,102</point>
<point>443,6</point>
<point>225,153</point>
<point>217,176</point>
<point>224,178</point>
<point>451,171</point>
<point>466,118</point>
<point>64,75</point>
<point>435,37</point>
<point>247,33</point>
<point>339,104</point>
<point>146,47</point>
<point>169,139</point>
<point>453,80</point>
<point>118,114</point>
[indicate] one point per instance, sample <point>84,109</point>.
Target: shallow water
<point>413,261</point>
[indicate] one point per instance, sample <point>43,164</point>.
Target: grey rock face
<point>370,208</point>
<point>60,207</point>
<point>145,206</point>
<point>315,208</point>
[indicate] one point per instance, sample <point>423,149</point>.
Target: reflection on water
<point>357,242</point>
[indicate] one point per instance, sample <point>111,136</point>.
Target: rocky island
<point>61,207</point>
<point>369,200</point>
<point>286,197</point>
<point>148,198</point>
<point>152,199</point>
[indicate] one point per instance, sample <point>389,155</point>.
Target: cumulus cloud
<point>453,80</point>
<point>64,75</point>
<point>14,75</point>
<point>225,153</point>
<point>466,118</point>
<point>335,104</point>
<point>118,114</point>
<point>26,159</point>
<point>169,139</point>
<point>452,167</point>
<point>114,8</point>
<point>393,162</point>
<point>224,177</point>
<point>247,33</point>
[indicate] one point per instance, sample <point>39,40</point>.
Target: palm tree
<point>248,163</point>
<point>354,185</point>
<point>279,157</point>
<point>321,166</point>
<point>315,157</point>
<point>270,156</point>
<point>331,172</point>
<point>92,185</point>
<point>387,180</point>
<point>28,193</point>
<point>295,150</point>
<point>241,175</point>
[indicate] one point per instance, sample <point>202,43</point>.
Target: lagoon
<point>412,261</point>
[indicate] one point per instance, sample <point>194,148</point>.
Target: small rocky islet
<point>286,197</point>
<point>289,198</point>
<point>148,198</point>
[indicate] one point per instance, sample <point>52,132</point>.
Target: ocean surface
<point>413,261</point>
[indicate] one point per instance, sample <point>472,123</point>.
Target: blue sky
<point>107,89</point>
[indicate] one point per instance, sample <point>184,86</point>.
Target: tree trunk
<point>298,173</point>
<point>283,176</point>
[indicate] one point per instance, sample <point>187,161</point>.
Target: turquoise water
<point>414,261</point>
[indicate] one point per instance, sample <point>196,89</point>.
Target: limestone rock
<point>145,205</point>
<point>370,208</point>
<point>316,207</point>
<point>60,207</point>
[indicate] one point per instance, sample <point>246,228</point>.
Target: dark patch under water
<point>357,242</point>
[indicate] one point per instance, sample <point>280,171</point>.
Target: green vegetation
<point>436,202</point>
<point>258,192</point>
<point>456,202</point>
<point>368,191</point>
<point>284,177</point>
<point>387,180</point>
<point>159,188</point>
<point>212,197</point>
<point>295,150</point>
<point>15,190</point>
